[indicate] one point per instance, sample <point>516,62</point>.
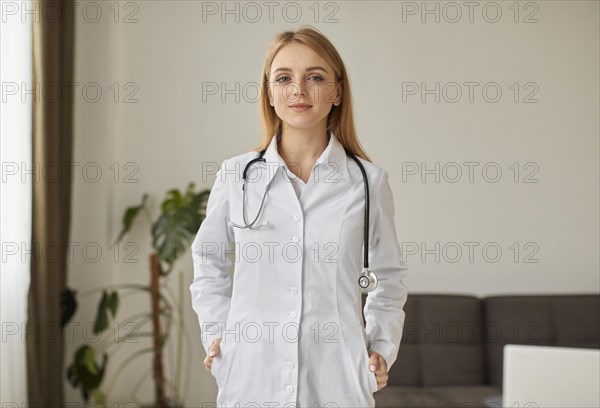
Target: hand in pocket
<point>213,351</point>
<point>378,366</point>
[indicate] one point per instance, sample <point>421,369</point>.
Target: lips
<point>300,107</point>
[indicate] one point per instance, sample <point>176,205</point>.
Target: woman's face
<point>300,76</point>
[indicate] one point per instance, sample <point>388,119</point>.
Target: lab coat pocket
<point>216,362</point>
<point>371,374</point>
<point>219,360</point>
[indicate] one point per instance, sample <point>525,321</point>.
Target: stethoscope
<point>368,279</point>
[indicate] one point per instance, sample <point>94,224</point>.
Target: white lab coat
<point>290,319</point>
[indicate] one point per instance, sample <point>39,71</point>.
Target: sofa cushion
<point>577,321</point>
<point>407,368</point>
<point>547,320</point>
<point>452,364</point>
<point>442,342</point>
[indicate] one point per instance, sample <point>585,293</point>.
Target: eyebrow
<point>307,69</point>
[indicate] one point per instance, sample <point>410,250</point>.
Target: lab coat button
<point>290,388</point>
<point>290,364</point>
<point>294,289</point>
<point>296,217</point>
<point>292,314</point>
<point>295,238</point>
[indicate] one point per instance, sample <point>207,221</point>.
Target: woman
<point>288,329</point>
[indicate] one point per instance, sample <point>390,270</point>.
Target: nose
<point>294,91</point>
<point>300,86</point>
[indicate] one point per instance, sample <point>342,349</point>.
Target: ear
<point>338,95</point>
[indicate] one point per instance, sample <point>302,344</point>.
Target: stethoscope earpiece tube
<point>251,225</point>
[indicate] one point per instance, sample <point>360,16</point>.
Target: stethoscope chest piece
<point>367,280</point>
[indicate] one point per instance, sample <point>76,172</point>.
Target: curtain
<point>52,144</point>
<point>15,203</point>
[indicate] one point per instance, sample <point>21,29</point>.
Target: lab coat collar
<point>334,156</point>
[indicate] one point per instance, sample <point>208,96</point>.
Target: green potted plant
<point>172,233</point>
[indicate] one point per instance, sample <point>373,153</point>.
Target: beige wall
<point>170,52</point>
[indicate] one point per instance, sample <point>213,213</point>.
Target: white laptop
<point>541,376</point>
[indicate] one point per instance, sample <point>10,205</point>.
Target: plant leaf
<point>84,372</point>
<point>89,362</point>
<point>99,398</point>
<point>130,215</point>
<point>68,306</point>
<point>176,227</point>
<point>101,316</point>
<point>113,303</point>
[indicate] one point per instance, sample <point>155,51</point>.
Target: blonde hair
<point>340,119</point>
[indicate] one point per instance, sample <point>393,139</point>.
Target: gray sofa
<point>451,351</point>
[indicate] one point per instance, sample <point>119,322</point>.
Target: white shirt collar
<point>333,157</point>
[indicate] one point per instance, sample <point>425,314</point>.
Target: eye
<point>284,78</point>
